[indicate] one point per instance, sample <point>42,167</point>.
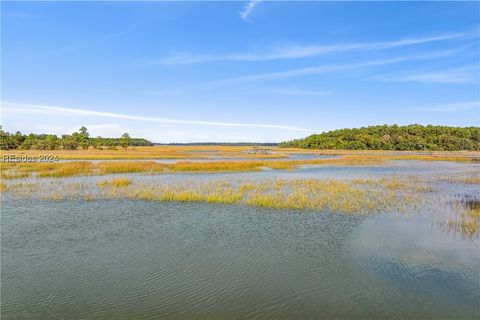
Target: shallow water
<point>213,159</point>
<point>130,259</point>
<point>393,168</point>
<point>144,260</point>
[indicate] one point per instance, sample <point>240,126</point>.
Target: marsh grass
<point>46,170</point>
<point>467,221</point>
<point>471,180</point>
<point>324,195</point>
<point>153,152</point>
<point>390,153</point>
<point>185,152</point>
<point>14,175</point>
<point>76,168</point>
<point>20,190</point>
<point>406,195</point>
<point>115,182</point>
<point>352,197</point>
<point>67,191</point>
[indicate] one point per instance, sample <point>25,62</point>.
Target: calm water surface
<point>212,159</point>
<point>148,260</point>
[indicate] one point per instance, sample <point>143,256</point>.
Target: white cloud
<point>304,51</point>
<point>335,67</point>
<point>312,70</point>
<point>463,75</point>
<point>21,107</point>
<point>248,9</point>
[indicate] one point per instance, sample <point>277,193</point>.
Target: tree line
<point>80,139</point>
<point>234,144</point>
<point>394,137</point>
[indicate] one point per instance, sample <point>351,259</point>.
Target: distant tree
<point>83,138</point>
<point>84,132</point>
<point>29,142</point>
<point>125,140</point>
<point>52,142</point>
<point>68,142</point>
<point>97,143</point>
<point>6,142</point>
<point>412,137</point>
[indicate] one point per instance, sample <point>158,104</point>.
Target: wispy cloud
<point>22,107</point>
<point>451,107</point>
<point>248,9</point>
<point>304,51</point>
<point>336,67</point>
<point>311,70</point>
<point>463,75</point>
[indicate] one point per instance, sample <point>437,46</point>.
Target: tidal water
<point>129,259</point>
<point>212,159</point>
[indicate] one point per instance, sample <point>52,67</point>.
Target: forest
<point>393,137</point>
<point>80,139</point>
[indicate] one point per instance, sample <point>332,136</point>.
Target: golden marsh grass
<point>115,182</point>
<point>76,168</point>
<point>467,221</point>
<point>394,194</point>
<point>202,152</point>
<point>151,152</point>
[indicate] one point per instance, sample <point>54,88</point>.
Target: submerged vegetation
<point>394,194</point>
<point>358,196</point>
<point>390,194</point>
<point>468,220</point>
<point>412,137</point>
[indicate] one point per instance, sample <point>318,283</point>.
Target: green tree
<point>30,142</point>
<point>83,138</point>
<point>125,140</point>
<point>70,142</point>
<point>412,137</point>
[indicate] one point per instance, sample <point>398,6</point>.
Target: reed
<point>14,175</point>
<point>115,182</point>
<point>448,158</point>
<point>471,180</point>
<point>65,169</point>
<point>74,168</point>
<point>467,223</point>
<point>403,195</point>
<point>352,197</point>
<point>46,170</point>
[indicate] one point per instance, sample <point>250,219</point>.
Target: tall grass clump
<point>472,180</point>
<point>467,221</point>
<point>115,182</point>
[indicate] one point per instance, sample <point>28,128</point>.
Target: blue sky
<point>256,71</point>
